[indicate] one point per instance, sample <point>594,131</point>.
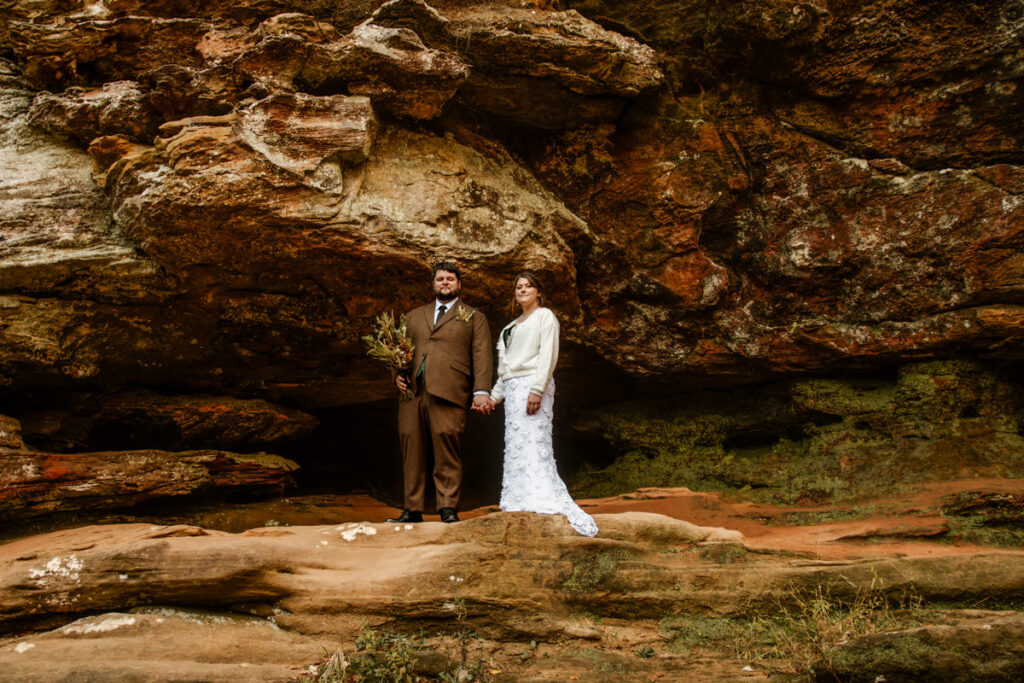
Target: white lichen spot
<point>711,288</point>
<point>123,577</point>
<point>398,528</point>
<point>1013,202</point>
<point>349,532</point>
<point>456,579</point>
<point>323,542</point>
<point>101,624</point>
<point>57,568</point>
<point>408,527</point>
<point>23,647</point>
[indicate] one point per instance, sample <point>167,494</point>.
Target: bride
<point>527,353</point>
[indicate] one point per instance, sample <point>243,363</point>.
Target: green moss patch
<point>819,440</point>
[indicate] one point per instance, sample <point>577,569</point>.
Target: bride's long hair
<point>532,278</point>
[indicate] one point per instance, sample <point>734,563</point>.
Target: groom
<point>452,360</point>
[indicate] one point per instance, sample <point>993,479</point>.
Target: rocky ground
<point>783,240</point>
<point>894,587</point>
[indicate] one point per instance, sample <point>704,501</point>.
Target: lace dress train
<point>530,482</point>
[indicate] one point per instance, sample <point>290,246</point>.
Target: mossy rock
<point>991,651</point>
<point>817,440</point>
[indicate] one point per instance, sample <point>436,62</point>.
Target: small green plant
<point>644,652</point>
<point>802,518</point>
<point>687,632</point>
<point>806,631</point>
<point>334,670</point>
<point>527,654</point>
<point>463,633</point>
<point>815,622</point>
<point>390,656</point>
<point>981,531</point>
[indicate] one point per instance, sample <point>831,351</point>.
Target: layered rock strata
<point>37,484</point>
<point>512,578</point>
<point>218,200</point>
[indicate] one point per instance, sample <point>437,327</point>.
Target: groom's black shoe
<point>448,515</point>
<point>407,517</point>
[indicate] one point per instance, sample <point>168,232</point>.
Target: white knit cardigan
<point>532,350</point>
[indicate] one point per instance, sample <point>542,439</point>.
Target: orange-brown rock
<point>510,577</point>
<point>535,67</point>
<point>713,194</point>
<point>10,432</point>
<point>142,419</point>
<point>716,220</point>
<point>166,644</point>
<point>112,49</point>
<point>390,65</point>
<point>36,484</point>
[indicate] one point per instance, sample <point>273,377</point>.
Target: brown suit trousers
<point>459,362</point>
<point>430,422</point>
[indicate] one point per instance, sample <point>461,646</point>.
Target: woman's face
<point>526,294</point>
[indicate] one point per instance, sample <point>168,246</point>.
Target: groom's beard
<point>445,297</point>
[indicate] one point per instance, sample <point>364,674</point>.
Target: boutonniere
<point>463,314</point>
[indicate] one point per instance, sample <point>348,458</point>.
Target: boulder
<point>85,49</point>
<point>165,644</point>
<point>36,484</point>
<point>547,69</point>
<point>141,419</point>
<point>10,432</point>
<point>983,649</point>
<point>57,227</point>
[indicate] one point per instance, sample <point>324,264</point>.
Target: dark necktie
<point>422,370</point>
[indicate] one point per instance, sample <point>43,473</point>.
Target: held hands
<point>401,383</point>
<point>483,404</point>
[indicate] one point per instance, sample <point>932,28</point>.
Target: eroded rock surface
<point>166,644</point>
<point>728,232</point>
<point>512,578</point>
<point>37,484</point>
<point>143,419</point>
<point>219,199</point>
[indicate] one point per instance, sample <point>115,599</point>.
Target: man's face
<point>446,285</point>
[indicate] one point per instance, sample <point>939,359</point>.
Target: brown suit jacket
<point>459,360</point>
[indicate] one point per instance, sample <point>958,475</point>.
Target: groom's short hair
<point>449,267</point>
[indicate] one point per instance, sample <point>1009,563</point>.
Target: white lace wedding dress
<point>530,482</point>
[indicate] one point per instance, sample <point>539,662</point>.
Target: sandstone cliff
<point>205,204</point>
